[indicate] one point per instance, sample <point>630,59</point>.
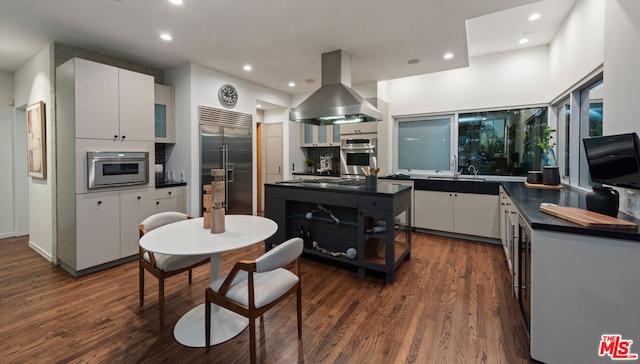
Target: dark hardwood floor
<point>450,303</point>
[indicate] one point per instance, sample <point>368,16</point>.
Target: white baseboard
<point>10,234</point>
<point>38,250</point>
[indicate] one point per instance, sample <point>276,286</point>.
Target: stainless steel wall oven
<point>111,169</point>
<point>355,153</point>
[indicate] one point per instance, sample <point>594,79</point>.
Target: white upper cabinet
<point>320,136</point>
<point>164,113</point>
<point>112,103</point>
<point>359,128</point>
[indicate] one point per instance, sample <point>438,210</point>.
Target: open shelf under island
<point>368,229</point>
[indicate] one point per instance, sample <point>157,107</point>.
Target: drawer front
<point>375,203</point>
<point>169,192</point>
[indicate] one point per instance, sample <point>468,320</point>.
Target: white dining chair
<point>163,266</point>
<point>255,286</point>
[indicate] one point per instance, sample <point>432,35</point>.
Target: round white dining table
<point>188,237</point>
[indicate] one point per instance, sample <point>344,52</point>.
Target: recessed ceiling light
<point>534,16</point>
<point>247,67</point>
<point>292,84</point>
<point>166,36</point>
<point>413,62</point>
<point>258,106</point>
<point>524,39</point>
<point>448,56</point>
<point>177,2</point>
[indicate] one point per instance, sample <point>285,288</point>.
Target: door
<point>211,142</point>
<point>231,149</point>
<point>274,155</point>
<point>239,179</point>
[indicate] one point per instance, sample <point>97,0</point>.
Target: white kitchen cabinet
<point>434,210</point>
<point>135,206</point>
<point>462,213</point>
<point>111,103</point>
<point>170,199</point>
<point>359,128</point>
<point>164,114</point>
<point>320,135</point>
<point>97,230</point>
<point>107,226</point>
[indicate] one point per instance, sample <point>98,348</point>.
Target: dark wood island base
<point>368,229</point>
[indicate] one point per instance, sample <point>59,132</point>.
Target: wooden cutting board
<point>587,218</point>
<point>542,186</point>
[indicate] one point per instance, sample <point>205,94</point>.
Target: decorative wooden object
<point>213,201</point>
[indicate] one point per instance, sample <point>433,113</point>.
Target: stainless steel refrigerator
<point>228,147</point>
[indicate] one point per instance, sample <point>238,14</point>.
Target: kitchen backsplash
<point>316,153</point>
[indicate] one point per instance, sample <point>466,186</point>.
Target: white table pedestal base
<point>225,325</point>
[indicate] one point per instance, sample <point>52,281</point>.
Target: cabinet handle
<point>157,202</point>
<point>115,136</point>
<point>124,136</point>
<point>169,192</point>
<point>99,203</point>
<point>139,197</point>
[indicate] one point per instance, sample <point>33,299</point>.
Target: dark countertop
<point>317,174</point>
<point>359,190</point>
<point>528,202</point>
<point>164,184</point>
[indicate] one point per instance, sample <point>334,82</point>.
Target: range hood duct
<point>335,102</point>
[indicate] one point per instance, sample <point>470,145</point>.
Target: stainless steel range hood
<point>335,102</point>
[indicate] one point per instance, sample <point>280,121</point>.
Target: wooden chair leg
<point>189,276</point>
<point>161,298</point>
<point>252,340</point>
<point>207,322</point>
<point>141,289</point>
<point>299,304</point>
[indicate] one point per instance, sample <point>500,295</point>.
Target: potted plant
<point>550,172</point>
<point>309,163</point>
<point>546,145</point>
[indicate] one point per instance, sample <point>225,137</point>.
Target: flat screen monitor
<point>614,159</point>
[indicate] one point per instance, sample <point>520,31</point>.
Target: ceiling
<point>281,39</point>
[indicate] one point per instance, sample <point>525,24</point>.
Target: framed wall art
<point>36,141</point>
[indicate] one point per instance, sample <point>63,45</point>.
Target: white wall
<point>32,82</point>
<point>622,77</point>
<point>7,223</point>
<point>578,47</point>
<point>494,81</point>
<point>622,67</point>
<point>202,84</point>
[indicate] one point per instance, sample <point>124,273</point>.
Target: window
<point>563,112</point>
<point>496,142</point>
<point>591,107</point>
<point>500,142</point>
<point>424,144</point>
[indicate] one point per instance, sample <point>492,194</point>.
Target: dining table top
<point>189,237</point>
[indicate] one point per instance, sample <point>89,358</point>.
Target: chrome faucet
<point>454,163</point>
<point>473,170</point>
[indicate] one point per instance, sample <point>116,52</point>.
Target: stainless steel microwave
<point>112,169</point>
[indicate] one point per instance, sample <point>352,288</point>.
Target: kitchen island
<point>368,229</point>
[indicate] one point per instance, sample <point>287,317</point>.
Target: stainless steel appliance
<point>226,143</point>
<point>524,271</point>
<point>355,153</point>
<point>111,169</point>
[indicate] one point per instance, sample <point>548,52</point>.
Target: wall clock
<point>228,95</point>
